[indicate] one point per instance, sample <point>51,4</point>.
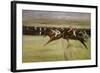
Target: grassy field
<point>35,51</point>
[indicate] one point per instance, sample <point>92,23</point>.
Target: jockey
<point>56,32</point>
<point>73,30</point>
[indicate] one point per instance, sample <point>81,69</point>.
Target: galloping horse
<point>51,35</point>
<point>80,35</point>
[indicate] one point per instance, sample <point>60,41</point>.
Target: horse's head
<point>83,35</point>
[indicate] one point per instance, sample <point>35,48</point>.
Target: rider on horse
<point>56,32</point>
<point>71,29</point>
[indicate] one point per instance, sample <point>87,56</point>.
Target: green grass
<point>35,51</point>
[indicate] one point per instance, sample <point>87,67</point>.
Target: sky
<point>56,18</point>
<point>36,14</point>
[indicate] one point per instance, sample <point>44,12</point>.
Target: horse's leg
<point>47,42</point>
<point>83,44</point>
<point>51,39</point>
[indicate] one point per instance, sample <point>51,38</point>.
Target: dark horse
<point>51,35</point>
<point>80,35</point>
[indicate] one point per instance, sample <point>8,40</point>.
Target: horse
<point>48,32</point>
<point>80,36</point>
<point>66,35</point>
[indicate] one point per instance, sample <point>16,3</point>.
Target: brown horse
<point>66,35</point>
<point>80,36</point>
<point>51,36</point>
